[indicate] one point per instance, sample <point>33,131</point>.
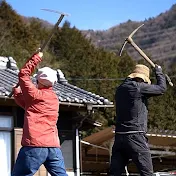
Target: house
<point>76,107</point>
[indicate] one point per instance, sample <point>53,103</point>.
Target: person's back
<point>131,110</point>
<point>131,120</point>
<point>40,120</point>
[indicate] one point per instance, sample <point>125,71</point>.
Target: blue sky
<point>92,14</point>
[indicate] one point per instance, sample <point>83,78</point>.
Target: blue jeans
<point>31,158</point>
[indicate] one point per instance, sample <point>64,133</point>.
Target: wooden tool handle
<point>142,53</point>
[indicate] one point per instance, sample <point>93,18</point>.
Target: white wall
<point>67,151</point>
<point>5,145</point>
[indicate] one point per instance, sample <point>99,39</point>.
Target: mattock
<point>55,26</point>
<point>130,41</point>
<point>49,37</point>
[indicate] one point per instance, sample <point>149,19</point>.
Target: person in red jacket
<point>40,141</point>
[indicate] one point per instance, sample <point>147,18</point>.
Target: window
<point>5,145</point>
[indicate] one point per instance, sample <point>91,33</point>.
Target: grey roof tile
<point>66,92</point>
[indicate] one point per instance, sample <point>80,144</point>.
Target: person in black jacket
<point>131,122</point>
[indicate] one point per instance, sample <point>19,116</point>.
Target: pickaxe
<point>130,41</point>
<point>49,37</point>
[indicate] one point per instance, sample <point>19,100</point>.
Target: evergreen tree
<point>85,65</point>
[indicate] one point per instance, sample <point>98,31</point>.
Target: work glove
<point>40,54</point>
<point>16,88</point>
<point>157,68</point>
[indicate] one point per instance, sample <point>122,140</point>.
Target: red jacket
<point>41,109</point>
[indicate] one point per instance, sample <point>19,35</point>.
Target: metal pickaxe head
<point>55,26</point>
<point>129,39</point>
<point>54,11</point>
<point>139,50</point>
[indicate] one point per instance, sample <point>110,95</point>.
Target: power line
<point>95,79</point>
<point>106,79</point>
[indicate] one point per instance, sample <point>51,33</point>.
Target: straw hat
<point>141,71</point>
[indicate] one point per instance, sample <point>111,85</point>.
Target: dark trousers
<point>31,158</point>
<point>131,146</point>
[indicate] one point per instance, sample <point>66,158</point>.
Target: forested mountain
<point>92,68</point>
<point>157,37</point>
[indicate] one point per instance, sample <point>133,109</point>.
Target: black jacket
<point>131,102</point>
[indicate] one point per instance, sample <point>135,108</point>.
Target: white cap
<point>46,76</point>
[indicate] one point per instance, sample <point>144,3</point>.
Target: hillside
<point>157,37</point>
<point>89,67</point>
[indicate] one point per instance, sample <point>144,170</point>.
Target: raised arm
<point>155,89</point>
<point>29,90</point>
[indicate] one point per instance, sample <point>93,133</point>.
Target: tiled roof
<point>67,93</point>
